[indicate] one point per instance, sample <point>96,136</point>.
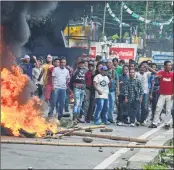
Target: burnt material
<point>6,131</point>
<point>27,134</point>
<point>23,133</point>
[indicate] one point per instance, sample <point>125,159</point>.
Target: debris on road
<point>106,130</point>
<point>88,130</point>
<point>70,131</point>
<point>87,140</point>
<point>26,134</point>
<point>104,136</point>
<point>131,149</point>
<point>100,149</point>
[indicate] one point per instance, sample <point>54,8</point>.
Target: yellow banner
<point>77,31</point>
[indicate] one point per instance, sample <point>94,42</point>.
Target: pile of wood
<point>88,137</point>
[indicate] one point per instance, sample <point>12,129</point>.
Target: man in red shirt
<point>166,92</point>
<point>90,92</point>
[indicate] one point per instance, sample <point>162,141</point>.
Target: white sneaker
<point>132,124</point>
<point>120,124</point>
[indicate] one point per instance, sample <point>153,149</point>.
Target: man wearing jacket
<point>79,85</point>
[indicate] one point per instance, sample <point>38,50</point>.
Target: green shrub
<point>155,167</point>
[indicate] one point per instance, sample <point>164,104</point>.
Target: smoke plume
<point>15,32</point>
<point>14,27</point>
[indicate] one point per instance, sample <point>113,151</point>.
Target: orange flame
<point>14,115</point>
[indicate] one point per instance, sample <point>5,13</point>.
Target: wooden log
<point>69,131</point>
<point>84,144</point>
<point>109,137</point>
<point>81,128</point>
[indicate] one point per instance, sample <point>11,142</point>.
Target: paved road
<point>43,157</point>
<point>52,157</point>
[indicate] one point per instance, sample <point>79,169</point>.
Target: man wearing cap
<point>104,62</point>
<point>26,66</point>
<point>101,85</point>
<point>79,85</point>
<point>89,92</point>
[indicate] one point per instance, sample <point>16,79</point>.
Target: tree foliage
<point>159,11</point>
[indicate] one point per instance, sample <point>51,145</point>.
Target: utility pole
<point>104,18</point>
<point>145,27</point>
<point>90,38</point>
<point>131,33</point>
<point>121,18</point>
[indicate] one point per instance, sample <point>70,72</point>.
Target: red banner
<point>92,52</point>
<point>122,53</point>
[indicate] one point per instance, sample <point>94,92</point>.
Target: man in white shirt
<point>60,81</point>
<point>35,75</point>
<point>101,85</point>
<point>143,76</point>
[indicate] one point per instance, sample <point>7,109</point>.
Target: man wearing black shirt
<point>79,85</point>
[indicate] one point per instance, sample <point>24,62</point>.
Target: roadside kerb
<point>107,163</point>
<point>148,156</point>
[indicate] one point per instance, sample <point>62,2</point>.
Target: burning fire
<point>14,115</point>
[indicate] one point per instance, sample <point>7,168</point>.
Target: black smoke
<point>14,21</point>
<point>16,32</point>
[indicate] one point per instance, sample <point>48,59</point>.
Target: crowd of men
<point>102,88</point>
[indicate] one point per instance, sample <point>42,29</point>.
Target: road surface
<point>54,157</point>
<point>44,157</point>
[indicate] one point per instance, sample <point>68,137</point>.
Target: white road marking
<point>108,161</point>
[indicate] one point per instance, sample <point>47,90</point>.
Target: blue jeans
<point>59,101</point>
<point>52,105</point>
<point>144,107</point>
<point>101,110</point>
<point>111,105</point>
<point>67,102</point>
<point>78,99</point>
